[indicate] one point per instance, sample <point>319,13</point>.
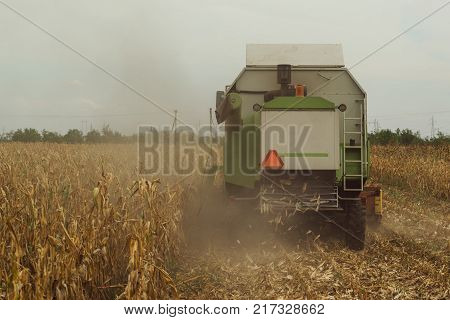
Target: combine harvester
<point>296,136</point>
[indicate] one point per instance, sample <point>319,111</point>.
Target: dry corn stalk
<point>70,228</point>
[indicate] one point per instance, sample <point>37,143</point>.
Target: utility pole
<point>432,127</point>
<point>174,124</point>
<point>375,125</point>
<point>210,123</point>
<point>211,131</point>
<point>83,126</point>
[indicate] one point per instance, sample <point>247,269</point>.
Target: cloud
<point>180,53</point>
<point>76,83</point>
<point>89,103</point>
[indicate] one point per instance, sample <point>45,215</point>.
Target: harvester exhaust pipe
<point>284,77</point>
<point>284,74</point>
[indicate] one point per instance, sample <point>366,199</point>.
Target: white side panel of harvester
<point>304,139</point>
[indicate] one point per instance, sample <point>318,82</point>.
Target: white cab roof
<point>301,55</point>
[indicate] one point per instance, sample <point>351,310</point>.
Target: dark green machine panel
<point>242,151</point>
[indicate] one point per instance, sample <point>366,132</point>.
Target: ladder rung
<point>354,177</point>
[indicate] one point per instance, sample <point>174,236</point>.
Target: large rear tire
<point>356,224</point>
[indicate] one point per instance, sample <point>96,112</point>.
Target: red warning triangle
<point>272,160</point>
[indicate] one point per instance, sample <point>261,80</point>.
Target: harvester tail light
<point>272,161</point>
<point>300,90</point>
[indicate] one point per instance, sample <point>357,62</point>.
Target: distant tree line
<point>105,135</point>
<point>405,137</point>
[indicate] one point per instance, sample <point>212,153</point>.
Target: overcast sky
<point>179,53</point>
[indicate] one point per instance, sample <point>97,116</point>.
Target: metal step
<point>353,147</point>
<point>353,119</point>
<point>352,132</point>
<point>353,189</point>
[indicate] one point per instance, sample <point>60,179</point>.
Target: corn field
<point>79,222</point>
<point>421,169</point>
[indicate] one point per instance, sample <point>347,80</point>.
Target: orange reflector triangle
<point>272,160</point>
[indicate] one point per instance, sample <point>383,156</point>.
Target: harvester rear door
<point>303,131</point>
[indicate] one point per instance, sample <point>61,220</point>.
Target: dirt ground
<point>406,258</point>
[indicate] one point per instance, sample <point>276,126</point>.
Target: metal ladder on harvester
<point>359,177</point>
